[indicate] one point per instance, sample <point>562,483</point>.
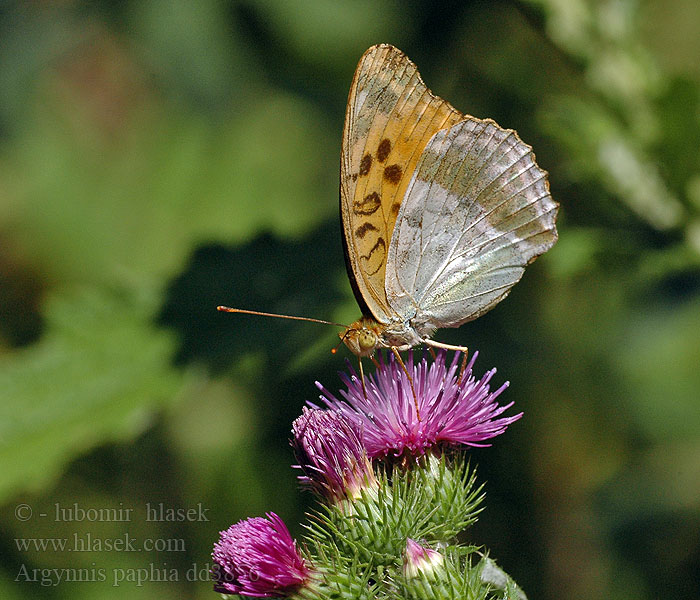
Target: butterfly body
<point>366,334</point>
<point>441,211</point>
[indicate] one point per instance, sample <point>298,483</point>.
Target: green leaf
<point>98,374</point>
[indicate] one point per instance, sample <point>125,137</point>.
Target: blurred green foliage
<point>160,157</point>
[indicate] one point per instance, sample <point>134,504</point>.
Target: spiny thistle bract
<point>394,490</point>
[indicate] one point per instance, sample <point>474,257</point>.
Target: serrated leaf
<point>98,374</point>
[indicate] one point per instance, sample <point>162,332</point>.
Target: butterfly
<point>441,211</point>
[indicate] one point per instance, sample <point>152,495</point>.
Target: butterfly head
<point>362,337</point>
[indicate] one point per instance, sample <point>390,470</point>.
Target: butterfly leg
<point>435,344</point>
<point>395,350</point>
<point>462,349</point>
<point>362,377</point>
<point>462,368</point>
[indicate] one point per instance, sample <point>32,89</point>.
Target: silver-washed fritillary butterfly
<point>441,211</point>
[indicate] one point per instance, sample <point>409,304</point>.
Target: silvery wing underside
<point>476,212</point>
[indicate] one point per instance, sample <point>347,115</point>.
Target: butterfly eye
<point>367,339</point>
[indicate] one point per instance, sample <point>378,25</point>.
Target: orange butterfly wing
<point>391,116</point>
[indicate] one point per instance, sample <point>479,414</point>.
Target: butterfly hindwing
<point>391,116</point>
<point>476,212</point>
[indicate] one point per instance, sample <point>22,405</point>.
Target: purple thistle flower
<point>454,409</point>
<point>420,560</point>
<point>258,557</point>
<point>331,455</point>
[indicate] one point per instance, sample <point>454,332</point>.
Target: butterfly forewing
<point>477,210</point>
<point>391,117</point>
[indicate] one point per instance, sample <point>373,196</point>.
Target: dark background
<point>160,157</point>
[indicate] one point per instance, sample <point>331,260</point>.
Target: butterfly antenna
<point>275,315</point>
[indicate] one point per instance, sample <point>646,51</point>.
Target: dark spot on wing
<point>393,174</point>
<point>368,205</point>
<point>380,246</point>
<point>383,150</point>
<point>413,220</point>
<point>365,164</point>
<point>395,208</point>
<point>354,176</point>
<point>362,230</point>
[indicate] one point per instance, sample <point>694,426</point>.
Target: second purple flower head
<point>331,454</point>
